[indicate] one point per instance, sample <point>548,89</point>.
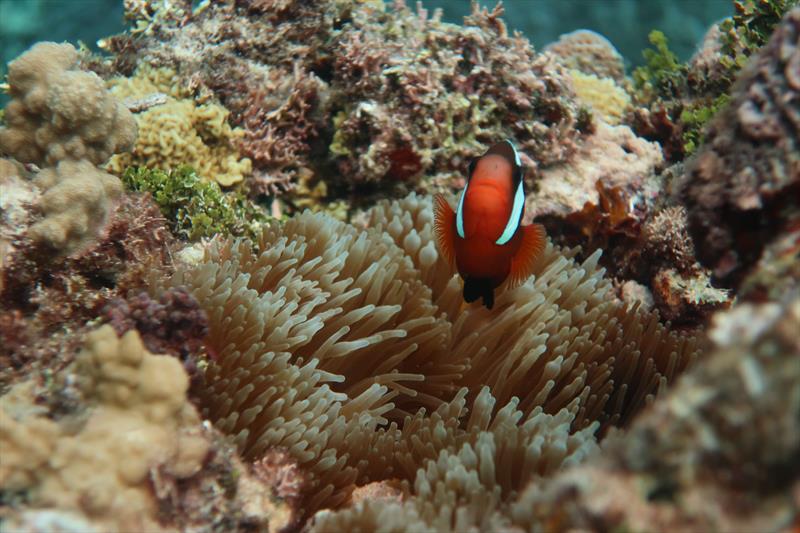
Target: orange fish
<point>484,237</point>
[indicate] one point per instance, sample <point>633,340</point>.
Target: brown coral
<point>64,117</point>
<point>718,452</point>
<point>748,171</point>
<point>58,112</point>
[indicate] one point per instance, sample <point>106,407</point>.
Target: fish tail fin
<point>444,227</point>
<point>530,250</point>
<point>475,288</point>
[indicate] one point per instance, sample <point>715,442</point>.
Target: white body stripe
<point>460,213</point>
<point>513,221</point>
<point>516,154</point>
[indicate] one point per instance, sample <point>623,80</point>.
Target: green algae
<point>196,208</point>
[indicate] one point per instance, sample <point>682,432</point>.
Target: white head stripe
<point>516,154</point>
<point>513,221</point>
<point>460,213</point>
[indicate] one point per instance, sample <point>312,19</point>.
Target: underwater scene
<point>374,265</point>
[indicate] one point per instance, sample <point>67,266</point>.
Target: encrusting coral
<point>180,131</point>
<point>590,53</point>
<point>743,183</point>
<point>607,100</point>
<point>325,334</point>
<point>387,96</point>
<point>138,412</point>
<point>717,453</point>
<point>64,118</point>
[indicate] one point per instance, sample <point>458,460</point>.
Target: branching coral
<point>326,332</point>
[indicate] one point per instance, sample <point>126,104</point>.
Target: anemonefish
<point>484,238</point>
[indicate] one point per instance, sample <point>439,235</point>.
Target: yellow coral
<point>602,95</point>
<point>180,131</point>
<point>140,422</point>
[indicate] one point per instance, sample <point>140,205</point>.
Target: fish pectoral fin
<point>530,250</point>
<point>444,227</point>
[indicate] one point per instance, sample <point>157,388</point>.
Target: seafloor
<point>224,306</point>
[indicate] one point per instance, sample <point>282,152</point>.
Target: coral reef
<point>385,96</point>
<point>64,117</point>
<point>326,375</point>
<point>743,183</point>
<point>138,411</point>
<point>47,300</point>
<point>719,452</point>
<point>137,458</point>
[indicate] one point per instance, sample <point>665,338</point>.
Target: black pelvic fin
<point>475,288</point>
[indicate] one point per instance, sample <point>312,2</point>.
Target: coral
<point>139,420</point>
<point>77,198</point>
<point>613,155</point>
<point>324,335</point>
<point>195,207</point>
<point>65,118</point>
<point>180,132</point>
<point>601,95</point>
<point>396,122</point>
<point>590,53</point>
<point>682,297</point>
<point>172,325</point>
<point>47,300</point>
<point>748,172</point>
<point>778,269</point>
<point>58,112</point>
<point>386,97</point>
<point>17,196</point>
<point>719,452</point>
